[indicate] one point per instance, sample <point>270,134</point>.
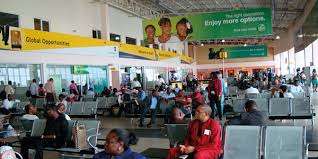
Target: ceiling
<point>284,12</point>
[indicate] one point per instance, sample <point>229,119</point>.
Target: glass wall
<point>291,61</point>
<point>97,77</point>
<point>308,55</point>
<point>19,74</point>
<point>315,53</point>
<point>303,58</point>
<point>300,59</point>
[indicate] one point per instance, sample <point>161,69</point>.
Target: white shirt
<point>299,89</point>
<point>67,117</point>
<point>288,95</point>
<point>251,90</point>
<point>29,117</point>
<point>34,89</point>
<point>7,104</point>
<point>90,93</point>
<point>135,84</point>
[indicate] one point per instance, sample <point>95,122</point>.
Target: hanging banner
<point>237,52</point>
<point>49,42</point>
<point>173,31</point>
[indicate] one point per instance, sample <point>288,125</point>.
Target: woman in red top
<point>197,98</point>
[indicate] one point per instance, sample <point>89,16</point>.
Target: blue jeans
<point>215,102</point>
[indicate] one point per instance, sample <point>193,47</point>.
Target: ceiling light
<point>277,37</point>
<point>223,41</point>
<point>202,44</point>
<point>245,44</point>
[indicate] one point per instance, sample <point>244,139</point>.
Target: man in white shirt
<point>7,104</point>
<point>34,89</point>
<point>90,92</point>
<point>160,81</point>
<point>135,83</point>
<point>30,111</point>
<point>9,89</point>
<point>251,90</point>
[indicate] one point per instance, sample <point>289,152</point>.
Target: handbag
<point>79,136</point>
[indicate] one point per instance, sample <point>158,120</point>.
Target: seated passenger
<point>117,146</point>
<point>297,88</point>
<point>61,100</point>
<point>197,98</point>
<point>30,111</point>
<point>71,97</point>
<point>283,92</point>
<point>90,92</point>
<point>61,109</point>
<point>251,90</point>
<point>7,105</point>
<point>203,139</point>
<point>251,117</point>
<point>55,133</point>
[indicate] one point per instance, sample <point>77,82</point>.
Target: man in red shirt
<point>215,94</point>
<point>203,139</point>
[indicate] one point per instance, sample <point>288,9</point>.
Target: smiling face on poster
<point>173,33</point>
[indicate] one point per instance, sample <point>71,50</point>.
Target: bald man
<point>203,139</point>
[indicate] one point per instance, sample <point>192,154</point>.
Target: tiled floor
<point>155,137</point>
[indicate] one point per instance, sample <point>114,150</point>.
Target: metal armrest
<point>18,154</point>
<point>91,145</point>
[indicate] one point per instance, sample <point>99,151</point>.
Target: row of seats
<point>88,108</point>
<point>36,128</point>
<point>278,106</point>
<point>254,142</point>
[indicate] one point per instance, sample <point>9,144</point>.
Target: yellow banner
<point>29,39</point>
<point>37,40</point>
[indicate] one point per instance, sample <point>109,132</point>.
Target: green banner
<point>80,69</point>
<point>235,23</point>
<point>239,52</point>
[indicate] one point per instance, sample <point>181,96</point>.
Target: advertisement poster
<point>238,52</point>
<point>173,33</point>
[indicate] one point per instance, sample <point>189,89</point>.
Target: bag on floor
<point>79,136</point>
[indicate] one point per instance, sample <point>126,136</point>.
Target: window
<point>131,41</point>
<point>9,19</point>
<point>300,59</point>
<point>291,61</point>
<point>114,37</point>
<point>284,63</point>
<point>315,49</point>
<point>308,55</point>
<point>40,24</point>
<point>97,34</point>
<point>277,64</point>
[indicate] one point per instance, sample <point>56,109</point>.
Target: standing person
<point>203,138</point>
<point>50,91</point>
<point>9,88</point>
<point>55,134</point>
<point>224,90</point>
<point>303,77</point>
<point>34,90</point>
<point>212,53</point>
<point>117,146</point>
<point>160,81</point>
<point>215,94</point>
<point>314,80</point>
<point>153,102</point>
<point>73,87</point>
